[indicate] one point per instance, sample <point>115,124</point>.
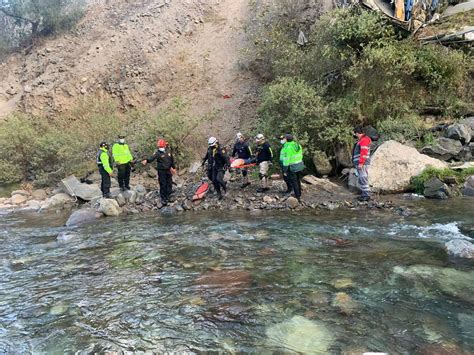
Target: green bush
<point>417,182</point>
<point>44,150</point>
<point>356,70</point>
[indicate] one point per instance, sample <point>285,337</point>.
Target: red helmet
<point>161,143</point>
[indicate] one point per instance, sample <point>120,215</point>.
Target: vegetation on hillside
<point>459,176</point>
<point>24,21</point>
<point>44,151</point>
<point>355,69</point>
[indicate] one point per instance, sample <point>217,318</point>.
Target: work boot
<point>164,201</point>
<point>107,195</point>
<point>244,185</point>
<point>122,188</point>
<point>127,188</point>
<point>363,198</point>
<point>262,189</point>
<point>219,196</point>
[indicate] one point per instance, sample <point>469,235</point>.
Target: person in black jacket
<point>217,161</point>
<point>165,167</point>
<point>263,157</point>
<point>243,151</point>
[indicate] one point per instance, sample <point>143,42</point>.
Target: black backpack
<point>372,133</point>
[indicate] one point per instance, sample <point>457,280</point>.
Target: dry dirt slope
<point>143,54</point>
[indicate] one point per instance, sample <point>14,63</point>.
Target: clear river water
<point>322,282</point>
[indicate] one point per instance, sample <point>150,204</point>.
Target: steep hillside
<point>143,54</point>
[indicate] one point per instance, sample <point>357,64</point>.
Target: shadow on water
<point>234,282</point>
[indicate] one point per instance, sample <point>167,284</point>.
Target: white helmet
<point>239,135</point>
<point>260,137</point>
<point>212,141</point>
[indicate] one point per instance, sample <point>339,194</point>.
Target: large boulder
<point>321,163</point>
<point>39,194</point>
<point>85,192</point>
<point>394,164</point>
<point>343,155</point>
<point>443,148</point>
<point>300,335</point>
<point>85,215</point>
<point>435,188</point>
<point>459,132</point>
<point>18,199</point>
<point>468,188</point>
<point>109,207</point>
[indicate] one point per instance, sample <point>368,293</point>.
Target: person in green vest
<point>282,140</point>
<point>291,157</point>
<point>123,159</point>
<point>105,170</point>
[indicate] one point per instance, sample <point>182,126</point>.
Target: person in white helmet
<point>217,161</point>
<point>263,157</point>
<point>242,151</point>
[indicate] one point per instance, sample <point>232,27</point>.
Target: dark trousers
<point>105,183</point>
<point>216,175</point>
<point>123,175</point>
<point>165,178</point>
<point>294,180</point>
<point>285,179</point>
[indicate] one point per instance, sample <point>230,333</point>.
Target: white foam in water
<point>446,231</point>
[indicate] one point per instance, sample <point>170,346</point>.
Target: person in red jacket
<point>361,161</point>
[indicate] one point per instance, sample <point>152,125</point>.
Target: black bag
<point>372,133</point>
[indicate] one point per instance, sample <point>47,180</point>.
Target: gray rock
<point>168,211</point>
<point>84,191</point>
<point>85,215</point>
<point>56,201</point>
<point>33,205</point>
<point>460,248</point>
<point>443,148</point>
<point>353,181</point>
<point>292,202</point>
<point>468,188</point>
<point>343,156</point>
<point>109,207</point>
<point>20,192</point>
<point>131,196</point>
<point>194,167</point>
<point>65,237</point>
<point>18,199</point>
<point>459,132</point>
<point>140,189</point>
<point>187,205</point>
<point>435,188</point>
<point>39,194</point>
<point>465,154</point>
<point>120,198</point>
<point>469,121</point>
<point>321,162</point>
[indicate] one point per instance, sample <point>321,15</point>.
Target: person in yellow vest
<point>105,170</point>
<point>123,159</point>
<point>291,157</point>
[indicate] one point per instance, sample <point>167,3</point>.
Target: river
<point>319,282</point>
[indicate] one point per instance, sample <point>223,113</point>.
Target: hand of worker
<point>173,171</point>
<point>360,166</point>
<point>144,162</point>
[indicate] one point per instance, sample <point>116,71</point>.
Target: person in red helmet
<point>166,168</point>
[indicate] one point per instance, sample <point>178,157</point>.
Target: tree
<point>34,18</point>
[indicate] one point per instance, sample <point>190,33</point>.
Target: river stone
<point>292,202</point>
<point>56,201</point>
<point>187,205</point>
<point>85,215</point>
<point>344,303</point>
<point>85,192</point>
<point>168,211</point>
<point>130,196</point>
<point>394,164</point>
<point>109,207</point>
<point>343,283</point>
<point>228,282</point>
<point>468,188</point>
<point>20,192</point>
<point>39,194</point>
<point>120,198</point>
<point>321,163</point>
<point>193,169</point>
<point>300,335</point>
<point>33,205</point>
<point>443,148</point>
<point>18,199</point>
<point>450,281</point>
<point>460,248</point>
<point>435,188</point>
<point>65,237</point>
<point>140,189</point>
<point>460,132</point>
<point>268,199</point>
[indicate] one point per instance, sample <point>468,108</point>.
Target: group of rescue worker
<point>218,161</point>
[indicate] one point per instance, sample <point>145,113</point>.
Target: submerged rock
<point>460,248</point>
<point>343,283</point>
<point>300,335</point>
<point>344,303</point>
<point>435,188</point>
<point>227,281</point>
<point>82,216</point>
<point>450,281</point>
